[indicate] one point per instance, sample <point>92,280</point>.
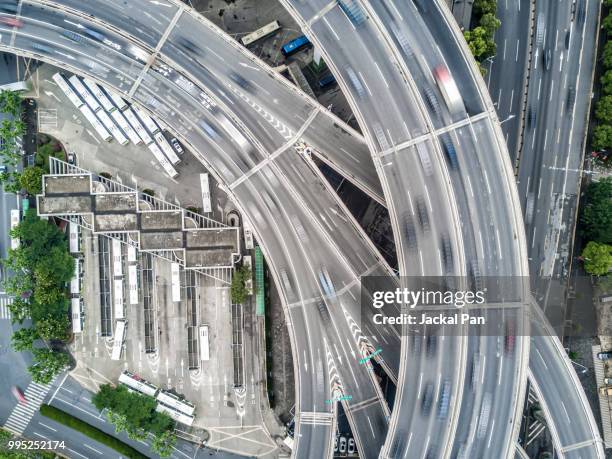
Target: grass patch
<point>92,432</point>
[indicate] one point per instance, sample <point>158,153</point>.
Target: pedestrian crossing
<point>5,312</point>
<point>22,414</point>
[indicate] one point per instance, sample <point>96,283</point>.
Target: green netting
<point>259,282</point>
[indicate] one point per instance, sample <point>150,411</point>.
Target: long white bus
<point>174,414</point>
<point>137,125</point>
<point>204,343</point>
<point>112,127</point>
<point>14,223</point>
<point>147,120</point>
<point>84,93</point>
<point>133,284</point>
<point>118,100</point>
<point>205,185</point>
<point>119,338</point>
<point>75,313</point>
<point>75,282</point>
<point>74,241</point>
<point>63,85</point>
<point>138,384</point>
<point>95,122</point>
<point>171,171</point>
<point>118,298</point>
<point>123,124</point>
<point>167,149</point>
<point>117,258</point>
<point>260,33</point>
<point>99,94</point>
<point>176,282</point>
<point>131,254</point>
<point>173,401</point>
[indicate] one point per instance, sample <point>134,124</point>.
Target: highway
<point>266,202</point>
<point>416,57</point>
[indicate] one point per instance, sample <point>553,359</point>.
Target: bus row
<point>132,123</point>
<point>177,408</point>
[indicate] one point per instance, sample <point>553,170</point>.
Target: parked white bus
<point>75,282</point>
<point>171,171</point>
<point>260,33</point>
<point>118,298</point>
<point>167,149</point>
<point>131,254</point>
<point>151,125</point>
<point>84,93</point>
<point>205,185</point>
<point>99,94</point>
<point>174,414</point>
<point>112,128</point>
<point>138,384</point>
<point>118,340</point>
<point>125,126</point>
<point>95,122</point>
<point>63,85</point>
<point>133,284</point>
<point>118,100</point>
<point>176,282</point>
<point>204,343</point>
<point>75,313</point>
<point>74,241</point>
<point>117,259</point>
<point>137,125</point>
<point>173,401</point>
<point>14,223</point>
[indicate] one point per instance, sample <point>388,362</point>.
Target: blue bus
<point>295,45</point>
<point>326,81</point>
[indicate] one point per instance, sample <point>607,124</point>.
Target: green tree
<point>53,328</point>
<point>602,137</point>
<point>606,81</point>
<point>31,180</point>
<point>482,7</point>
<point>47,364</point>
<point>597,258</point>
<point>23,339</point>
<point>238,287</point>
<point>607,24</point>
<point>490,23</point>
<point>603,111</point>
<point>606,55</point>
<point>596,218</point>
<point>10,102</point>
<point>478,41</point>
<point>20,310</point>
<point>162,444</point>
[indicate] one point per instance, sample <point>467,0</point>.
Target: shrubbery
<point>480,38</point>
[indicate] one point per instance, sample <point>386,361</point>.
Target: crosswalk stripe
<point>22,414</point>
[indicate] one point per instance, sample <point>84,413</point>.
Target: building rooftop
<point>115,202</point>
<point>49,205</point>
<point>106,223</point>
<point>165,220</point>
<point>161,240</point>
<point>66,184</point>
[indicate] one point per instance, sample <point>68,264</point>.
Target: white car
<point>342,446</point>
<point>351,446</point>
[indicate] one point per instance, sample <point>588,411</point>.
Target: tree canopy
<point>602,137</point>
<point>596,218</point>
<point>238,288</point>
<point>47,364</point>
<point>597,258</point>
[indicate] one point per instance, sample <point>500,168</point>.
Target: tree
<point>482,7</point>
<point>477,40</point>
<point>238,288</point>
<point>606,56</point>
<point>606,81</point>
<point>596,218</point>
<point>607,24</point>
<point>597,258</point>
<point>602,137</point>
<point>603,111</point>
<point>490,23</point>
<point>20,309</point>
<point>162,444</point>
<point>23,339</point>
<point>53,328</point>
<point>10,102</point>
<point>47,365</point>
<point>31,180</point>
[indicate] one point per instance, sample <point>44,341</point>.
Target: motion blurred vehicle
<point>18,394</point>
<point>449,89</point>
<point>13,22</point>
<point>444,400</point>
<point>427,399</point>
<point>422,214</point>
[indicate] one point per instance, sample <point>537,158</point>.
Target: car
<point>240,80</point>
<point>177,145</point>
<point>72,158</point>
<point>18,394</point>
<point>336,444</point>
<point>427,400</point>
<point>451,153</point>
<point>342,445</point>
<point>571,98</point>
<point>547,58</point>
<point>410,232</point>
<point>447,253</point>
<point>444,400</point>
<point>432,100</point>
<point>510,337</point>
<point>432,345</point>
<point>41,47</point>
<point>13,22</point>
<point>422,214</point>
<point>351,446</point>
<point>604,355</point>
<point>532,117</point>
